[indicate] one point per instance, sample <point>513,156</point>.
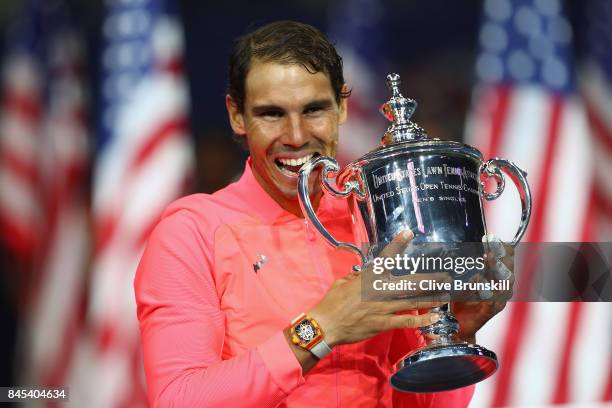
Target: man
<point>224,275</point>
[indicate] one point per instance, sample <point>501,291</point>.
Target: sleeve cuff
<point>281,362</point>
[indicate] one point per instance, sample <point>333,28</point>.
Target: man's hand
<point>345,318</point>
<point>474,314</point>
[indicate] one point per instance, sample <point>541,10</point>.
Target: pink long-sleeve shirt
<point>212,324</point>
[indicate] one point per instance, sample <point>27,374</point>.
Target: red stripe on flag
<point>26,172</point>
<point>105,230</point>
<point>607,394</point>
<point>107,225</point>
<point>26,105</point>
<point>106,336</point>
<point>174,66</point>
<point>599,128</point>
<point>561,393</point>
<point>162,133</point>
<point>602,204</point>
<point>590,218</point>
<point>22,235</point>
<point>503,97</point>
<point>520,311</point>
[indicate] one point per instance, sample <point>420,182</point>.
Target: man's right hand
<point>345,318</point>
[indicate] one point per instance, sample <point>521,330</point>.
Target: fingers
<point>495,245</point>
<point>398,245</point>
<point>411,321</point>
<point>422,303</point>
<point>386,261</point>
<point>500,257</point>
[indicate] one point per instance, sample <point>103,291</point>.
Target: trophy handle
<point>329,166</point>
<point>493,168</point>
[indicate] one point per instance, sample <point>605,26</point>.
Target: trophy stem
<point>444,329</point>
<point>446,363</point>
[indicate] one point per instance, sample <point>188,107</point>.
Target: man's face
<point>290,115</point>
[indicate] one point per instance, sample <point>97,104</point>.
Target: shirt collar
<point>265,207</point>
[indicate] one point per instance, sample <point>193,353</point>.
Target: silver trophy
<point>435,188</point>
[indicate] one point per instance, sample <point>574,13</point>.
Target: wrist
<point>305,358</point>
<point>327,328</point>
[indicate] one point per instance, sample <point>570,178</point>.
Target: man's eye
<point>313,110</point>
<point>271,114</point>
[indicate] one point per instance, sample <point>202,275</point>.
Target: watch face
<point>305,331</point>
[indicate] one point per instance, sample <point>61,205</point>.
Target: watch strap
<point>321,349</point>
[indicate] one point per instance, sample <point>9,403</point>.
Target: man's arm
<point>345,318</point>
<point>183,327</point>
<point>183,331</point>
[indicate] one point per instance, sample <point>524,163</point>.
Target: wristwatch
<point>306,333</point>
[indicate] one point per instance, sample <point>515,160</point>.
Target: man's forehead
<point>274,80</point>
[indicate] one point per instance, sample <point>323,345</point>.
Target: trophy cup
<point>435,188</point>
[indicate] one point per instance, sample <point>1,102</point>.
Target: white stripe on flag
<point>136,122</point>
<point>20,137</point>
<point>570,177</point>
<point>519,136</point>
<point>592,353</point>
<point>538,359</point>
<point>18,200</point>
<point>166,185</point>
<point>139,212</point>
<point>60,291</point>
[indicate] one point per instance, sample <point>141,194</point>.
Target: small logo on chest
<point>261,259</point>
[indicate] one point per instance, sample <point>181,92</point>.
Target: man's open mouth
<point>290,167</point>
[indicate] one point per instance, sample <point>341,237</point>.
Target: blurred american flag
<point>527,108</point>
<point>80,328</point>
<point>596,86</point>
<point>44,159</point>
<point>143,162</point>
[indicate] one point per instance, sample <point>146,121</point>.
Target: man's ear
<point>343,105</point>
<point>236,117</point>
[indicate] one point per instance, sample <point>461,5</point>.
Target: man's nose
<point>295,134</point>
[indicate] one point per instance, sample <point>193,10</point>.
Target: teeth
<point>295,162</point>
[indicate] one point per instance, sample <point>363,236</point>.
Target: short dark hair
<point>287,42</point>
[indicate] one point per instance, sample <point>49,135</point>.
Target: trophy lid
<point>398,110</point>
<point>406,137</point>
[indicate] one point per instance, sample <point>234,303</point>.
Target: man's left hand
<point>472,315</point>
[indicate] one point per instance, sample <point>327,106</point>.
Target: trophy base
<point>444,367</point>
